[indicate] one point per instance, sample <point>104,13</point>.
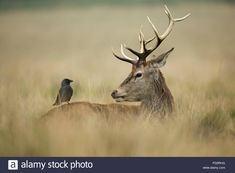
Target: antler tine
<point>160,38</point>
<point>141,26</point>
<point>125,57</point>
<point>144,52</point>
<point>149,40</point>
<point>154,29</point>
<point>142,44</point>
<point>132,51</point>
<point>182,18</point>
<point>171,22</point>
<point>142,41</point>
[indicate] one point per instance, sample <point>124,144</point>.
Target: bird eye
<point>138,75</point>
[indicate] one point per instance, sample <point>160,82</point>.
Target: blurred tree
<point>9,4</point>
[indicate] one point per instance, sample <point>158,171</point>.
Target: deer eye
<point>138,75</point>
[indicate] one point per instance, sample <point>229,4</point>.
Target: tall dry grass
<point>39,48</point>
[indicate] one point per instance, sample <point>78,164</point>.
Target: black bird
<point>65,92</point>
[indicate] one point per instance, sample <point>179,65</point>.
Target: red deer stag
<point>144,84</point>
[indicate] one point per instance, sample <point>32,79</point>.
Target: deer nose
<point>113,94</point>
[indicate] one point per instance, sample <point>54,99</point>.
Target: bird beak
<point>71,80</point>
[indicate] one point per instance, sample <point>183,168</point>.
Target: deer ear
<point>161,59</point>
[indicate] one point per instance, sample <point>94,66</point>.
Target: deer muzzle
<point>118,96</point>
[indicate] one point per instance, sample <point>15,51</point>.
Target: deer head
<point>145,83</point>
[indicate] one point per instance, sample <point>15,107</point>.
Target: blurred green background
<point>13,4</point>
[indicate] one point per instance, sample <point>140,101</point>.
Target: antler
<point>144,51</point>
<point>125,57</point>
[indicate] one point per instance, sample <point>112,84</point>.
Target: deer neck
<point>160,98</point>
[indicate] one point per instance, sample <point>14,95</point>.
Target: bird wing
<point>58,98</point>
<point>66,93</point>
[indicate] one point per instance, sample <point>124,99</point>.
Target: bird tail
<point>57,101</point>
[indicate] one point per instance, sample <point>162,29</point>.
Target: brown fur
<point>77,109</point>
<point>161,99</point>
